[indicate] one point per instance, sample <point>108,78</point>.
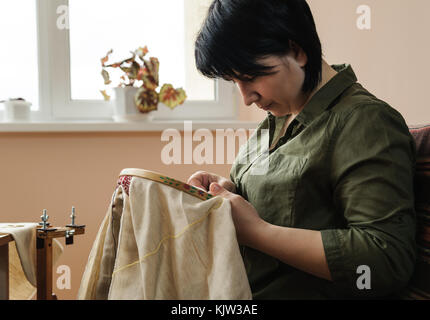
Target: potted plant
<point>136,96</point>
<point>17,109</point>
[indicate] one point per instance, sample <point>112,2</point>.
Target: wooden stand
<point>5,238</point>
<point>44,260</point>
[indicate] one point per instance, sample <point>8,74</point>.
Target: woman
<point>333,215</point>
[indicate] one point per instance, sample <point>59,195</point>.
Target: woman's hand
<point>246,220</point>
<point>203,179</point>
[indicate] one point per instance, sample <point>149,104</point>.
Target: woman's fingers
<point>203,179</point>
<point>199,179</point>
<point>226,184</point>
<point>196,183</point>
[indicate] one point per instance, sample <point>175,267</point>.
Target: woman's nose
<point>249,96</point>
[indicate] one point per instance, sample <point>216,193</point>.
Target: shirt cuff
<point>338,262</point>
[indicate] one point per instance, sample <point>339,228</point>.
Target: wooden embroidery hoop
<point>158,177</point>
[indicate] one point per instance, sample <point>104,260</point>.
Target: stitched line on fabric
<point>167,237</point>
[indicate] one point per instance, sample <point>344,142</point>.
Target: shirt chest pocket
<point>272,188</point>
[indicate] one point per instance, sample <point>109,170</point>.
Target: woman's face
<point>280,93</point>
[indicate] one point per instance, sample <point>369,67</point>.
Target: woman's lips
<point>266,107</point>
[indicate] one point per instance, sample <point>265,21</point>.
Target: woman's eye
<point>244,79</point>
<point>250,78</point>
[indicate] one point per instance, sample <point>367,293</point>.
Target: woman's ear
<point>298,54</point>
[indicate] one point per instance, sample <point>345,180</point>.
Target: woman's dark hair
<point>237,33</point>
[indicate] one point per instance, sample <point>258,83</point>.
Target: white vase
<point>17,110</point>
<point>125,107</point>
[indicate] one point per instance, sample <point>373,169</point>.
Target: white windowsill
<point>110,125</point>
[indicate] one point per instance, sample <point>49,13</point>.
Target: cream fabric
<point>161,243</point>
<point>22,259</point>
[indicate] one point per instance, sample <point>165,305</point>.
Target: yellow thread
<point>166,238</point>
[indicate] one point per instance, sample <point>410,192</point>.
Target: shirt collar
<point>323,98</point>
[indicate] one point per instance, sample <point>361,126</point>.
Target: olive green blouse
<point>345,166</point>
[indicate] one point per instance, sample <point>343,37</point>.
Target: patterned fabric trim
<point>124,181</point>
<point>422,139</point>
<point>419,286</point>
<point>413,293</point>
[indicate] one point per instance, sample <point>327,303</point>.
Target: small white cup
<point>17,110</point>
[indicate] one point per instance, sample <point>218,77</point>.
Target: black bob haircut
<point>237,33</point>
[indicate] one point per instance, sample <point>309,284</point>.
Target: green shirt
<point>345,166</point>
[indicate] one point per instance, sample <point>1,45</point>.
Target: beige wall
<point>391,59</point>
<point>59,170</point>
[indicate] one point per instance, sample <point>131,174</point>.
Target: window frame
<point>55,101</point>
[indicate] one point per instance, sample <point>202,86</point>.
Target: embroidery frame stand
<point>44,260</point>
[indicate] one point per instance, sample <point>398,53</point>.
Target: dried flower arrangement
<point>143,74</point>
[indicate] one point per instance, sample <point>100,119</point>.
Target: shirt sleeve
<point>372,170</point>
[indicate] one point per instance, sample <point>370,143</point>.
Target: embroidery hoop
<point>158,177</point>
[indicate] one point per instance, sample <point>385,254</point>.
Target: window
<point>98,25</point>
<point>72,36</point>
<point>18,57</point>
